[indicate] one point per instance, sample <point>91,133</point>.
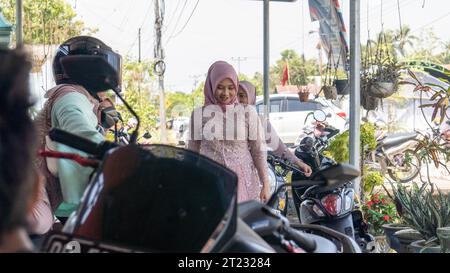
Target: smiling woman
<point>241,146</point>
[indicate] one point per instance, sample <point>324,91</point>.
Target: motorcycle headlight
<point>348,203</point>
<point>272,181</point>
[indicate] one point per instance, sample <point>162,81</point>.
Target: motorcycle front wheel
<point>404,167</point>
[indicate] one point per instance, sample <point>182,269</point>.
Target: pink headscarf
<point>218,72</point>
<point>250,89</point>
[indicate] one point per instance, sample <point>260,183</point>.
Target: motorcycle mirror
<point>319,115</point>
<point>147,135</point>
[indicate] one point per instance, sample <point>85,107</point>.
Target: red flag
<point>285,78</point>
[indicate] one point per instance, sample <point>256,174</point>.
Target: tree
<point>182,104</point>
<point>299,69</point>
<point>46,21</point>
<point>137,78</point>
<point>257,81</point>
<point>444,57</point>
<point>426,46</point>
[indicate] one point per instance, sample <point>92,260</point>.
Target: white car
<point>288,114</point>
<point>180,126</point>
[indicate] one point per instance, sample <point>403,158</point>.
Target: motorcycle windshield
<point>158,198</point>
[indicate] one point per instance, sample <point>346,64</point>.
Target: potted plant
<point>303,93</point>
<point>379,211</point>
<point>328,88</point>
<point>341,82</point>
<point>405,238</point>
<point>425,211</point>
<point>384,81</point>
<point>381,71</point>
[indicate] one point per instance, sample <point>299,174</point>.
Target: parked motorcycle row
<point>159,198</point>
<point>166,210</point>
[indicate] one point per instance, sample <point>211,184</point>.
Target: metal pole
<point>355,67</point>
<point>159,55</point>
<point>266,59</point>
<point>19,26</point>
<point>139,44</point>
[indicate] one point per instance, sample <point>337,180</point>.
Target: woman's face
<point>225,92</point>
<point>242,96</point>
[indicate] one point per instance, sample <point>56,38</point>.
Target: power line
<point>179,17</point>
<point>171,17</point>
<point>190,16</point>
<point>432,22</point>
<point>143,21</point>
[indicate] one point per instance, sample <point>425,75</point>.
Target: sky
<point>233,29</point>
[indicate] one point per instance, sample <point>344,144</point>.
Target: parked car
<point>180,126</point>
<point>288,114</point>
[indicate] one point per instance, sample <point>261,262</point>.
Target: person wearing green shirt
<point>74,107</point>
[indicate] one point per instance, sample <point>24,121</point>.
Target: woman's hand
<point>304,167</point>
<point>265,192</point>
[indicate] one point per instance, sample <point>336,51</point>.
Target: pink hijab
<point>250,89</point>
<point>218,72</point>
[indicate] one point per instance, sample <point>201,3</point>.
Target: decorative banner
<point>333,33</point>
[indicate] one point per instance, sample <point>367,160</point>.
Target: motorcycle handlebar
<point>307,243</point>
<point>81,143</point>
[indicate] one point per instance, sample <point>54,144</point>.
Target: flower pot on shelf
<point>381,244</point>
<point>330,92</point>
<point>389,230</point>
<point>420,247</point>
<point>443,234</point>
<point>406,237</point>
<point>381,89</point>
<point>303,96</point>
<point>342,87</point>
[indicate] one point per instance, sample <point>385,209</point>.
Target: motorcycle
<point>276,230</point>
<point>135,201</point>
<point>395,154</point>
<point>334,208</point>
<point>277,181</point>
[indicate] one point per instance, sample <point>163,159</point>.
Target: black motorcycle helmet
<point>85,46</point>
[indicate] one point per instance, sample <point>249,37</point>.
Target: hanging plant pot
<point>330,92</point>
<point>382,90</point>
<point>342,87</point>
<point>368,102</point>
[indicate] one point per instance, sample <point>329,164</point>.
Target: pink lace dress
<point>246,156</point>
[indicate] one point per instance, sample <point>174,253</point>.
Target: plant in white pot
<point>425,210</point>
<point>381,70</point>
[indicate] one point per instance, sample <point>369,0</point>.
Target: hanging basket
<point>368,102</point>
<point>330,92</point>
<point>382,90</point>
<point>342,87</point>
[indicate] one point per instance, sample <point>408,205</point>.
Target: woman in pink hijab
<point>230,133</point>
<point>247,95</point>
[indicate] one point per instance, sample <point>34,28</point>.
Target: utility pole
<point>139,35</point>
<point>266,60</point>
<point>19,25</point>
<point>239,60</point>
<point>160,66</point>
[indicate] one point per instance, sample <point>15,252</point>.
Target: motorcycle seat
<point>396,139</point>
